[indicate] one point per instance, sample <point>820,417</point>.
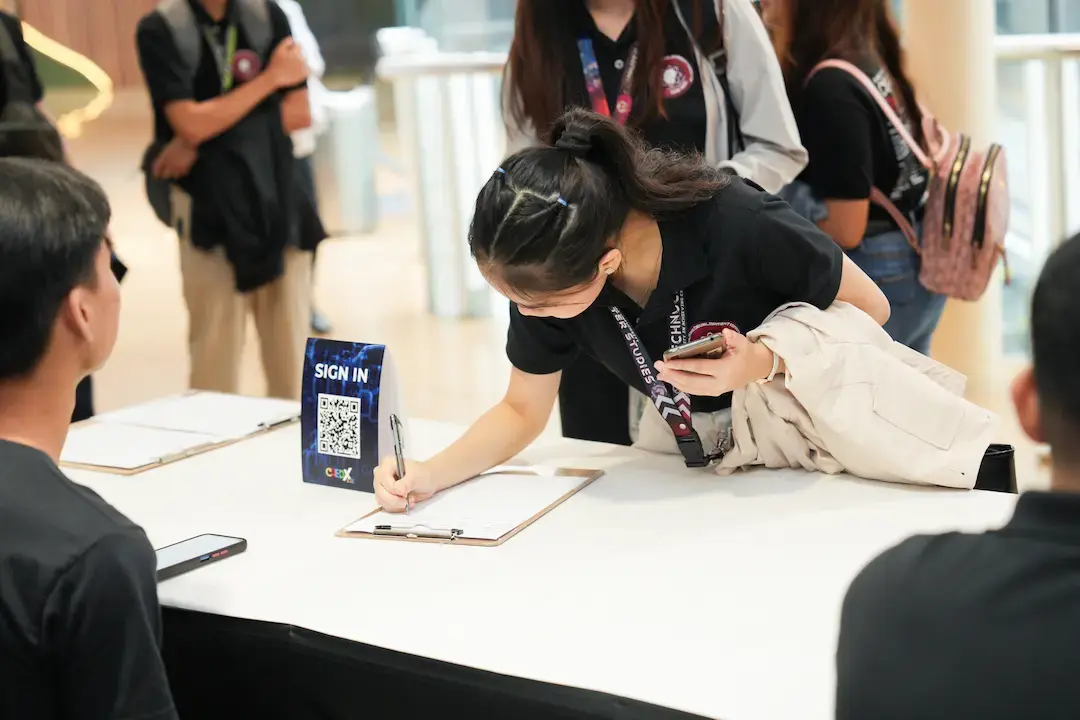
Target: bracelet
<point>772,373</point>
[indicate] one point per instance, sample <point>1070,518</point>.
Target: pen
<point>417,531</point>
<point>399,452</point>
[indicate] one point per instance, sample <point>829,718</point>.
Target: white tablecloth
<point>716,596</point>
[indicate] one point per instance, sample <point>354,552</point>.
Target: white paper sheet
<point>485,508</point>
<point>221,415</point>
<point>128,447</point>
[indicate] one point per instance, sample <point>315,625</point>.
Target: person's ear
<point>76,314</point>
<point>609,264</point>
<point>1026,402</point>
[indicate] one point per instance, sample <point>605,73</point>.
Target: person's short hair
<point>1055,345</point>
<point>53,221</point>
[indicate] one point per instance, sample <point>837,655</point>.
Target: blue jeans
<point>893,265</point>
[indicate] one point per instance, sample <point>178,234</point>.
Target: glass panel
<point>1014,132</point>
<point>1037,102</point>
<point>463,25</point>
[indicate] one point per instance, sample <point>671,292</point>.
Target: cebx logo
<point>340,474</point>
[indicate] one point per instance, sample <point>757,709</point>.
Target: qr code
<point>339,426</point>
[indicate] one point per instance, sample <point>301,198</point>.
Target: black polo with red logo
<point>683,124</point>
<point>737,258</point>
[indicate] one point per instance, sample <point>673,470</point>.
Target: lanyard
<point>595,85</point>
<point>223,55</point>
<point>673,405</point>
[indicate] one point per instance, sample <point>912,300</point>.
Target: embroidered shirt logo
<point>705,329</point>
<point>677,76</point>
<point>246,65</point>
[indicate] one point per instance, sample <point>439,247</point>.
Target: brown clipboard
<point>176,457</point>
<point>588,476</point>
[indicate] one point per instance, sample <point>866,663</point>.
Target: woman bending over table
<point>607,248</point>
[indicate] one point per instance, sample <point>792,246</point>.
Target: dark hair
<point>819,30</point>
<point>1055,345</point>
<point>29,141</point>
<point>547,216</point>
<point>534,77</point>
<point>52,225</point>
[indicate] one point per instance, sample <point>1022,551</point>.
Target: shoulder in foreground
<point>921,566</point>
<point>125,551</point>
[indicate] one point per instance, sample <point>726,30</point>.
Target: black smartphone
<point>182,557</point>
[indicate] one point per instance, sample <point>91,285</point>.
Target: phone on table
<point>182,557</point>
<point>710,346</point>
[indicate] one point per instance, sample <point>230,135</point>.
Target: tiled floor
<point>450,370</point>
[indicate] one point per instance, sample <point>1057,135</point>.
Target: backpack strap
<point>254,17</point>
<point>713,16</point>
<point>882,201</point>
<point>882,103</point>
<point>183,26</point>
<point>877,197</point>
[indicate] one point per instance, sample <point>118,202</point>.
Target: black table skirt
<point>236,669</point>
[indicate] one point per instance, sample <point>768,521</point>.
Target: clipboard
<point>410,528</point>
<point>186,444</point>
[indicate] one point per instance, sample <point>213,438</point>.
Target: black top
<point>244,190</point>
<point>79,619</point>
<point>684,101</point>
<point>738,257</point>
<point>969,626</point>
<point>852,145</point>
<point>14,29</point>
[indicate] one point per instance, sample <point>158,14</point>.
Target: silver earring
<point>608,271</point>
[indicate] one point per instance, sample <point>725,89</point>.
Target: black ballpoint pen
<point>399,452</point>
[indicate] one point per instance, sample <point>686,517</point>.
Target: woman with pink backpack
<point>920,210</point>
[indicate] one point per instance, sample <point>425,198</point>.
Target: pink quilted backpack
<point>967,203</point>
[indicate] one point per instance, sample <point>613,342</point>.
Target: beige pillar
<point>950,55</point>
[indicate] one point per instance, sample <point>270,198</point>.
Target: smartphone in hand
<point>710,346</point>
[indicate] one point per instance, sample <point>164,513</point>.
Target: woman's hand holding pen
<point>393,493</point>
<point>742,363</point>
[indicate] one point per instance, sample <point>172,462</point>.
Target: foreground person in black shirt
<point>605,248</point>
<point>986,626</point>
<point>79,618</point>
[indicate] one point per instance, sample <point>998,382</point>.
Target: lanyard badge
<point>224,53</point>
<point>590,68</point>
<point>673,405</point>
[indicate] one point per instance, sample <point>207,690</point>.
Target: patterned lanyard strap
<point>595,85</point>
<point>673,405</point>
<point>224,53</point>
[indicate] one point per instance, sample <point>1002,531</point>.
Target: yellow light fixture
<point>71,124</point>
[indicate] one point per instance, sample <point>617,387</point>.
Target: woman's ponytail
<point>548,214</point>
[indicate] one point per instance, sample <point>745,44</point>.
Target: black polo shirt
<point>683,128</point>
<point>79,619</point>
<point>737,257</point>
<point>163,68</point>
<point>26,61</point>
<point>969,626</point>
